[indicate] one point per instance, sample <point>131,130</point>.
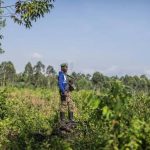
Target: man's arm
<point>60,83</point>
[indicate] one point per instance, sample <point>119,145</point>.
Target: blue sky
<point>110,36</point>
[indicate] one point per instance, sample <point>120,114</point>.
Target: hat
<point>64,65</point>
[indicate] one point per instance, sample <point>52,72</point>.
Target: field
<point>117,118</point>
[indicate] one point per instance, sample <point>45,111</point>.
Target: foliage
<point>117,118</point>
<point>43,76</point>
<point>7,72</point>
<point>28,116</point>
<point>24,12</point>
<point>3,107</point>
<point>117,122</point>
<point>29,11</point>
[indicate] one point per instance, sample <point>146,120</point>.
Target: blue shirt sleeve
<point>60,82</point>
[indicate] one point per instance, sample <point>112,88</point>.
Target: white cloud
<point>36,56</point>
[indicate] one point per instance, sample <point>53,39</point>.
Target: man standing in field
<point>67,104</point>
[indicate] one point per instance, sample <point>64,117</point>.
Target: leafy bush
<point>3,107</point>
<point>117,118</point>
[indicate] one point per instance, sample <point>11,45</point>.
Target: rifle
<point>72,86</point>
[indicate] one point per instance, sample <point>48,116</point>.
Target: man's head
<point>64,67</point>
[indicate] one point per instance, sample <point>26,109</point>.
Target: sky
<point>109,36</point>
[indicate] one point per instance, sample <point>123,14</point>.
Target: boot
<point>62,116</point>
<point>70,114</point>
<point>63,125</point>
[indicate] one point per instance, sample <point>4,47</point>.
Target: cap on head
<point>64,65</point>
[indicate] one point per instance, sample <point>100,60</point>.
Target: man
<point>67,104</point>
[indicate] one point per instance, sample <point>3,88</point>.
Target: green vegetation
<point>112,112</point>
<point>43,76</point>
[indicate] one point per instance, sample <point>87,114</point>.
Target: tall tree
<point>39,68</point>
<point>98,80</point>
<point>28,73</point>
<point>24,12</point>
<point>50,71</point>
<point>8,72</point>
<point>39,78</point>
<point>51,76</point>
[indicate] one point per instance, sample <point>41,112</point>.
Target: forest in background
<point>43,76</point>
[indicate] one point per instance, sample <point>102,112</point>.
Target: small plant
<point>3,107</point>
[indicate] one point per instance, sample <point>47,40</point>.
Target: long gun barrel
<point>71,77</point>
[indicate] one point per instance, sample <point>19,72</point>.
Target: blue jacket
<point>62,82</point>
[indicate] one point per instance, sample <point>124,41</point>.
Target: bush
<point>117,118</point>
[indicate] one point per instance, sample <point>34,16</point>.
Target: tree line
<point>32,76</point>
<point>43,76</point>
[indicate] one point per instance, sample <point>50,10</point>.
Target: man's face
<point>64,69</point>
